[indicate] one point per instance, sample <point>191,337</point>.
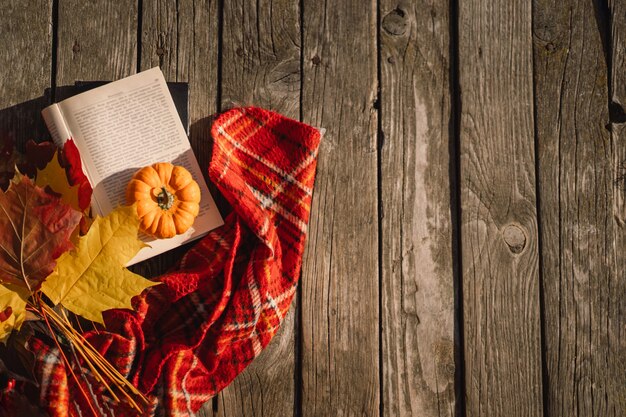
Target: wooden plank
<point>25,67</point>
<point>261,67</point>
<point>97,40</point>
<point>417,258</point>
<point>182,38</point>
<point>340,283</point>
<point>501,302</point>
<point>583,261</point>
<point>613,385</point>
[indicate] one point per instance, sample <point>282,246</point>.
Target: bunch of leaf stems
<point>100,368</point>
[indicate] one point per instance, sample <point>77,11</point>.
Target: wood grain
<point>261,67</point>
<point>181,36</point>
<point>97,41</point>
<point>25,65</point>
<point>583,262</point>
<point>614,382</point>
<point>417,252</point>
<point>500,260</point>
<point>340,283</point>
<point>542,118</point>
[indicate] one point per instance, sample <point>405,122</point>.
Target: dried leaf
<point>13,305</point>
<point>8,159</point>
<point>53,175</point>
<point>92,278</point>
<point>75,174</point>
<point>35,229</point>
<point>36,156</point>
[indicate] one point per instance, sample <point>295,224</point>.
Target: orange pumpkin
<point>167,199</point>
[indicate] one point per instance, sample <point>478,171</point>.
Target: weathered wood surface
<point>24,26</point>
<point>536,123</point>
<point>502,334</point>
<point>261,67</point>
<point>416,186</point>
<point>96,41</point>
<point>583,275</point>
<point>182,38</point>
<point>613,342</point>
<point>340,282</point>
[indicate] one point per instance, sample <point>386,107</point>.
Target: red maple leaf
<point>35,229</point>
<point>75,174</point>
<point>36,156</point>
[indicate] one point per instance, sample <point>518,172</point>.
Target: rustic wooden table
<point>467,247</point>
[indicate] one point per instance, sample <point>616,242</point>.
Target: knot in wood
<point>395,22</point>
<point>515,238</point>
<point>76,47</point>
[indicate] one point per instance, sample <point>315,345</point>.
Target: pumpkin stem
<point>165,199</point>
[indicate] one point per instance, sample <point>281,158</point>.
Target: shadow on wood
<point>23,121</point>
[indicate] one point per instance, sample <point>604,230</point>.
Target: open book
<point>120,128</point>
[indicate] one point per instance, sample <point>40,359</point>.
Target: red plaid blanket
<point>192,336</point>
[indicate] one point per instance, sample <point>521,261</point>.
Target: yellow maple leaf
<point>54,176</point>
<point>92,278</point>
<point>15,298</point>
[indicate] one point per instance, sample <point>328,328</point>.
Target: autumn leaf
<point>12,309</point>
<point>53,175</point>
<point>36,156</point>
<point>63,174</point>
<point>8,159</point>
<point>35,229</point>
<point>92,278</point>
<point>76,175</point>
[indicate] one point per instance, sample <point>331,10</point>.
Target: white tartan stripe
<point>256,343</point>
<point>271,303</point>
<point>278,208</point>
<point>230,151</point>
<point>50,360</point>
<point>184,383</point>
<point>264,161</point>
<point>296,171</point>
<point>274,306</point>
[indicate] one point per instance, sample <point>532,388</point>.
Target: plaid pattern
<point>189,338</point>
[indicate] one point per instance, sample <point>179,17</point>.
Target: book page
<point>124,126</point>
<point>55,123</point>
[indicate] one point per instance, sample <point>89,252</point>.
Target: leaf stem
<point>67,362</point>
<point>89,353</point>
